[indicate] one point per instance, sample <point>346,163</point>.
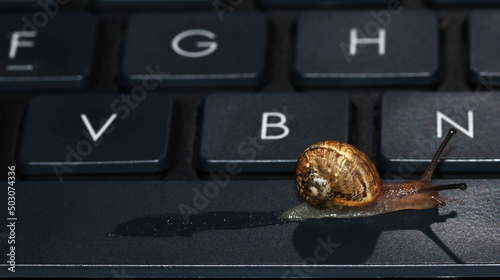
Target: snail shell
<point>333,173</point>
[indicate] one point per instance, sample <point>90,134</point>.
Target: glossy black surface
<point>145,226</point>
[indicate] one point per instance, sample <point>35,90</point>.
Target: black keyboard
<point>160,138</point>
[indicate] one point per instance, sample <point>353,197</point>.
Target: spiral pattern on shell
<point>333,173</point>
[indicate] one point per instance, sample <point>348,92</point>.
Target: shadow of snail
<point>353,240</point>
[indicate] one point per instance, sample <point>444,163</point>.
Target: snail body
<point>339,181</point>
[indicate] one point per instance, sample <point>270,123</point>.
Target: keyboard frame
<point>364,134</point>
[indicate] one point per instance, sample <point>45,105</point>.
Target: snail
<point>339,181</point>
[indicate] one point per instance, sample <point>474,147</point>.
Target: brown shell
<point>332,172</point>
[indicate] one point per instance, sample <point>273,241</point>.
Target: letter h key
<point>366,48</point>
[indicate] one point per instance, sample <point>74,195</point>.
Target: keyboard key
<point>196,49</point>
<point>29,4</point>
<point>150,4</point>
<point>415,124</point>
<point>483,25</point>
<point>349,48</point>
<point>322,3</point>
<point>268,132</point>
<point>58,55</point>
<point>96,134</point>
<point>468,3</point>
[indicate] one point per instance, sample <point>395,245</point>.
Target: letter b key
<point>267,132</point>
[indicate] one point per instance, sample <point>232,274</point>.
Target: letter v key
<point>95,136</point>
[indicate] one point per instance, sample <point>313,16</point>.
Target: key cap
<point>28,4</point>
<point>268,132</point>
<point>242,215</point>
<point>56,55</point>
<point>149,4</point>
<point>350,48</point>
<point>96,134</point>
<point>483,25</point>
<point>322,3</point>
<point>195,49</point>
<point>468,3</point>
<point>415,124</point>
